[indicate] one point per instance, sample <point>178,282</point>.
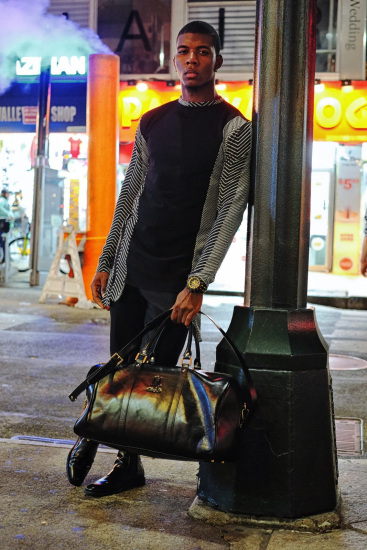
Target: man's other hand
<point>187,305</point>
<point>98,288</point>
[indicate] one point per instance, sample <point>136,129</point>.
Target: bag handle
<point>188,353</point>
<point>150,348</point>
<point>118,358</point>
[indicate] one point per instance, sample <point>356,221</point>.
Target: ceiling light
<point>319,86</point>
<point>142,86</point>
<point>347,86</point>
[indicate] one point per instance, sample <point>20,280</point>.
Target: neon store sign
<point>338,116</point>
<point>31,66</point>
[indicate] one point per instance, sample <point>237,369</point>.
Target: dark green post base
<point>287,462</point>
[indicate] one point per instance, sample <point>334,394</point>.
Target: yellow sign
<point>132,103</point>
<point>340,113</point>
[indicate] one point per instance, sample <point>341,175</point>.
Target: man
<point>180,205</point>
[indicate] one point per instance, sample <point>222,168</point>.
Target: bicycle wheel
<point>19,253</point>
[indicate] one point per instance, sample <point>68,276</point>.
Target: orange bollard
<point>102,129</point>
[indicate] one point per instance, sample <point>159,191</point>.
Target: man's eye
<point>203,52</point>
<point>181,52</point>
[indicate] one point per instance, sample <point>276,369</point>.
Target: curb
<point>342,302</point>
<point>318,523</point>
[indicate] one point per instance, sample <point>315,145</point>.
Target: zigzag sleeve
<point>226,200</point>
<point>130,190</point>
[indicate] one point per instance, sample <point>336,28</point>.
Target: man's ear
<point>174,62</point>
<point>218,62</point>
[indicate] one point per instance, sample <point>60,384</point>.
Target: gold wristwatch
<point>196,285</point>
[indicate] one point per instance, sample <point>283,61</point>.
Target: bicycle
<point>20,250</point>
<point>20,253</point>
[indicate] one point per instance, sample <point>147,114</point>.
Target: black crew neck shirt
<point>183,141</point>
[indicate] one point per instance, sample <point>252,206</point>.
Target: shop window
<point>139,32</point>
<point>235,24</point>
<point>79,11</point>
<point>326,35</point>
<point>348,218</point>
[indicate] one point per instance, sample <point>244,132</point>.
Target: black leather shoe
<point>127,473</point>
<point>80,460</point>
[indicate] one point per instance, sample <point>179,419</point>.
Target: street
<point>46,350</point>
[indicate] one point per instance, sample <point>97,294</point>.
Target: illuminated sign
<point>330,112</point>
<point>338,116</point>
<point>132,103</point>
<point>31,66</point>
<point>18,107</point>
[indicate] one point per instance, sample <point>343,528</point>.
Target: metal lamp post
<point>42,133</point>
<point>287,465</point>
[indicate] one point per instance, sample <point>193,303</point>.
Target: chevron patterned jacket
<point>183,197</point>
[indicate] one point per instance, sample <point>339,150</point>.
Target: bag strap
<point>118,358</point>
<point>159,321</point>
<point>251,397</point>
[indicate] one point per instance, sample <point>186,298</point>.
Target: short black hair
<point>201,27</point>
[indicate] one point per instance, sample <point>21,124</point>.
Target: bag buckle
<point>186,360</point>
<point>244,414</point>
<point>141,358</point>
<point>117,356</point>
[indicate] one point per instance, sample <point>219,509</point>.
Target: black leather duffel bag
<point>174,412</point>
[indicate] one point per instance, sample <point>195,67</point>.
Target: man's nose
<point>191,58</point>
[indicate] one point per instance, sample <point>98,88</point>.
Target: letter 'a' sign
<point>352,39</point>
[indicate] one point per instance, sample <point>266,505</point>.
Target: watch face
<point>194,283</point>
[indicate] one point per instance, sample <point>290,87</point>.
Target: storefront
<point>338,196</point>
<point>65,188</point>
<point>339,180</point>
<point>338,183</point>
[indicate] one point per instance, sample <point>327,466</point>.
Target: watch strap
<point>196,285</point>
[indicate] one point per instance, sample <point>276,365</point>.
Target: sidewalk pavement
<point>39,509</point>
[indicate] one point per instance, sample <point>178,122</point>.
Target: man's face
<point>196,60</point>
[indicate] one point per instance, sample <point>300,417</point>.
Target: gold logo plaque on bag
<point>156,386</point>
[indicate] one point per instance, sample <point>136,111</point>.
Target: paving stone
<point>336,540</point>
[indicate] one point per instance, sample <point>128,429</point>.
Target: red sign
<point>29,115</point>
<point>346,264</point>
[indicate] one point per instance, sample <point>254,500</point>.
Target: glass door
<point>321,220</point>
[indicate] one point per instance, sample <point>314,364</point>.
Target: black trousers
<point>133,310</point>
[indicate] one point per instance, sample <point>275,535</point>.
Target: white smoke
<point>28,30</point>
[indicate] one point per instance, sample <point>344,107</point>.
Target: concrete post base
<point>319,523</point>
